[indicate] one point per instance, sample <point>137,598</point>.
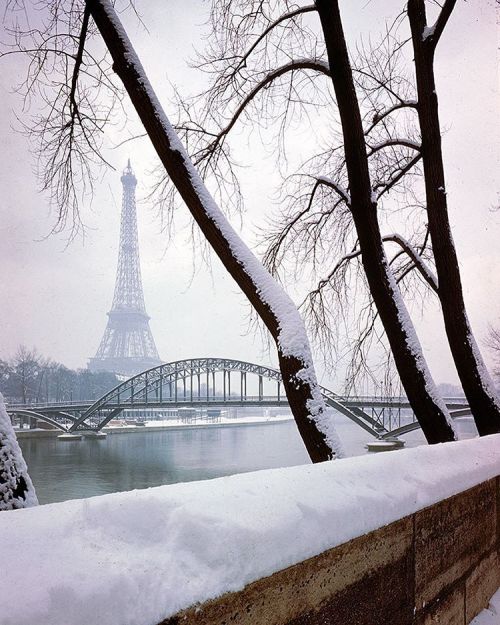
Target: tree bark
<point>476,383</point>
<point>415,377</point>
<point>297,374</point>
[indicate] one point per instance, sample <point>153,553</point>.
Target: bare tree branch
<point>433,33</point>
<point>393,142</point>
<point>378,117</point>
<point>385,187</point>
<point>269,78</point>
<point>328,182</point>
<point>287,16</point>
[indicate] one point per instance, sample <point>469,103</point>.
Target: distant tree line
<point>30,377</point>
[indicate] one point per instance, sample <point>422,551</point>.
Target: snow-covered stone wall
<point>415,529</point>
<point>439,565</point>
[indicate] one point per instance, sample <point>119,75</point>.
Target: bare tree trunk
<point>476,382</point>
<point>274,307</point>
<point>415,377</point>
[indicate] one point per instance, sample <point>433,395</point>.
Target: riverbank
<point>167,424</point>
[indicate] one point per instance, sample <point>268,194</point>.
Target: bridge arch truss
<point>221,382</point>
<point>190,382</point>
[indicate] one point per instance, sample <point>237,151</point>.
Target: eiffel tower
<point>127,346</point>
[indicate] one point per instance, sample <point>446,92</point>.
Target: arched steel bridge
<point>202,382</point>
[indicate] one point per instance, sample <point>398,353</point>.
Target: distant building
<point>127,347</point>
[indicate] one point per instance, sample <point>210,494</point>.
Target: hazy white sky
<point>55,297</point>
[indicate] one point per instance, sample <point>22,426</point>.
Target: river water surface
<point>76,469</point>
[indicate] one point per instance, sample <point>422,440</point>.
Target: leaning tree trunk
<point>476,382</point>
<point>429,409</point>
<point>274,307</point>
<point>16,488</point>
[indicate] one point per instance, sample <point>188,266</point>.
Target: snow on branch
<point>406,143</point>
<point>417,259</point>
<point>378,117</point>
<point>406,247</point>
<point>341,191</point>
<point>433,33</point>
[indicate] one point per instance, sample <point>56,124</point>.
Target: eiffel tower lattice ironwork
<point>127,347</point>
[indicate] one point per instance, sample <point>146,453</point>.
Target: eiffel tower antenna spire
<point>127,346</point>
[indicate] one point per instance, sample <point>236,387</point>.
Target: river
<point>73,470</point>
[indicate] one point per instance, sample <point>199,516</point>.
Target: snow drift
<point>135,558</point>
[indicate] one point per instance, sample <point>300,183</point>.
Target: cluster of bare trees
<point>269,62</point>
<point>29,377</point>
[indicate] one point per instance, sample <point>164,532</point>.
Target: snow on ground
<point>490,616</point>
<point>135,558</point>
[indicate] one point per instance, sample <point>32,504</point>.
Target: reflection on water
<point>74,469</point>
<point>71,470</point>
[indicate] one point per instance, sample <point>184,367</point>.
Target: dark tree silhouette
<point>260,53</point>
<point>476,383</point>
<point>422,394</point>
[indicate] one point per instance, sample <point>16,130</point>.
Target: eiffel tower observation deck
<point>127,347</point>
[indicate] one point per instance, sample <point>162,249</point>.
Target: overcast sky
<point>55,296</point>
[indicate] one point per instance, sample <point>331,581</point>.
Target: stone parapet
<point>439,565</point>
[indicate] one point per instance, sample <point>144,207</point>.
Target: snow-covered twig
<point>329,182</point>
<point>401,142</point>
<point>378,117</point>
<point>419,262</point>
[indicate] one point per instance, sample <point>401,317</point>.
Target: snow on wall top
<point>135,558</point>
